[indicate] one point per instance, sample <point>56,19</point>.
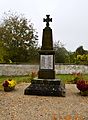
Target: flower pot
<point>8,89</point>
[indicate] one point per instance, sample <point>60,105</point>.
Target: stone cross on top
<point>47,20</point>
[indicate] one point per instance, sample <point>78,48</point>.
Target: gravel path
<point>17,106</point>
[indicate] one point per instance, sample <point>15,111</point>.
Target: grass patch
<point>67,78</point>
<point>18,79</point>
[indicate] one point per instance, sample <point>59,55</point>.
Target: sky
<point>69,19</point>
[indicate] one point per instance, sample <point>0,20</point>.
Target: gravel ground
<point>17,106</point>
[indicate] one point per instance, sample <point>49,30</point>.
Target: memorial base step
<point>46,87</point>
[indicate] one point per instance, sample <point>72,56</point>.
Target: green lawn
<point>65,78</point>
<point>18,79</point>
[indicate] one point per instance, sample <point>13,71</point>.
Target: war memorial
<point>46,84</point>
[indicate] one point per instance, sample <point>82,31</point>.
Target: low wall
<point>69,69</point>
<point>9,69</point>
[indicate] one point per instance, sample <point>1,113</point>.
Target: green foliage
<point>80,56</point>
<point>61,54</point>
<point>84,93</point>
<point>66,78</point>
<point>82,59</point>
<point>71,78</point>
<point>33,55</point>
<point>3,52</point>
<point>80,50</point>
<point>18,79</point>
<point>18,43</point>
<point>17,35</point>
<point>76,77</point>
<point>72,58</point>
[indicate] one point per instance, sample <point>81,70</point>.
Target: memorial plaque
<point>46,62</point>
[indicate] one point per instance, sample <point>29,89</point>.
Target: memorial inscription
<point>46,62</point>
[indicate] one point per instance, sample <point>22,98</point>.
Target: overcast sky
<point>69,18</point>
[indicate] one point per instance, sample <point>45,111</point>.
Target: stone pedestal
<point>46,68</point>
<point>46,84</point>
<point>46,87</point>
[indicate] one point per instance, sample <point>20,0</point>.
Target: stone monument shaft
<point>46,69</point>
<point>47,39</point>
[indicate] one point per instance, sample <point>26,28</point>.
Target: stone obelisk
<point>46,84</point>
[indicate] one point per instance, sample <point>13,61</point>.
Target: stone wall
<point>69,69</point>
<point>9,69</point>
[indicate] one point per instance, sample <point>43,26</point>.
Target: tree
<point>18,35</point>
<point>2,52</point>
<point>80,50</point>
<point>61,54</point>
<point>33,55</point>
<point>72,57</point>
<point>82,59</point>
<point>81,56</point>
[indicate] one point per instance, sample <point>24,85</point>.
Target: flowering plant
<point>82,85</point>
<point>9,83</point>
<point>76,77</point>
<point>33,75</point>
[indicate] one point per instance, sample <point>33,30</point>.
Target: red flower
<point>82,85</point>
<point>6,83</point>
